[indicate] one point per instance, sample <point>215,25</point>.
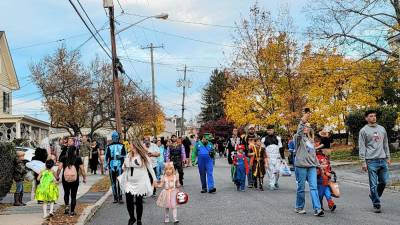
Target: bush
<point>7,158</point>
<point>386,117</point>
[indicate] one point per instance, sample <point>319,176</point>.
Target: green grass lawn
<point>344,153</point>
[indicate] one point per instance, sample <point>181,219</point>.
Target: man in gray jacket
<point>375,157</point>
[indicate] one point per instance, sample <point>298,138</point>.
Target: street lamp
<point>162,16</point>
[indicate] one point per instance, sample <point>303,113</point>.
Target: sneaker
<point>276,186</point>
<point>51,214</point>
<point>300,211</point>
<point>66,210</point>
<point>377,209</point>
<point>333,208</point>
<point>176,221</point>
<point>319,213</point>
<point>166,220</point>
<point>72,214</point>
<point>203,191</point>
<point>45,216</point>
<point>212,190</point>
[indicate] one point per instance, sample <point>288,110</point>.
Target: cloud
<point>29,107</point>
<point>188,10</point>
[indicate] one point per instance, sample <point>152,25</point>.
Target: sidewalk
<point>351,172</point>
<point>32,213</point>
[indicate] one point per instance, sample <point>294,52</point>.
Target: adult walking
<point>94,157</point>
<point>306,167</point>
<point>71,165</point>
<point>204,152</point>
<point>135,181</point>
<point>115,155</point>
<point>84,152</point>
<point>233,141</point>
<point>375,156</point>
<point>176,154</point>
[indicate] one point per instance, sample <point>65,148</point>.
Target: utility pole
<point>115,63</point>
<point>183,83</point>
<point>153,88</point>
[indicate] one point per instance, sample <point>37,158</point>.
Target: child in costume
<point>250,157</point>
<point>324,173</point>
<point>47,190</point>
<point>242,167</point>
<point>167,198</point>
<point>274,164</point>
<point>260,162</point>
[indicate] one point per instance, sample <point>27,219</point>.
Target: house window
<point>6,102</point>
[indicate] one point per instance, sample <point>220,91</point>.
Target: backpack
<point>70,174</point>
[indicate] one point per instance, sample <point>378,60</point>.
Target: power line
<point>91,22</point>
<point>87,26</point>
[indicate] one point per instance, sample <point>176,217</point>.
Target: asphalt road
<point>254,207</point>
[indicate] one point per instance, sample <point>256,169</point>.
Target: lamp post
<point>115,61</point>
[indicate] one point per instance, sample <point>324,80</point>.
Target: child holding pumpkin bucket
<point>167,198</point>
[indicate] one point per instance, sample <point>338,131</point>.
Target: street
<point>254,207</point>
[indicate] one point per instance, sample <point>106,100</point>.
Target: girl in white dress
<point>135,181</point>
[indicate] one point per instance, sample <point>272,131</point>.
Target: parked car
<point>29,152</point>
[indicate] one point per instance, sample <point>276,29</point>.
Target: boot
<point>16,199</point>
<point>21,195</point>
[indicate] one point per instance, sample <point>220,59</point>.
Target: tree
<point>219,128</point>
<point>101,98</point>
<point>213,97</point>
<point>65,84</point>
<point>136,111</point>
<point>360,26</point>
<point>268,91</point>
<point>336,86</point>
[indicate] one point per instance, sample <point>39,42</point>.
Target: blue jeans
<point>206,167</point>
<point>378,176</point>
<point>19,187</point>
<point>308,174</point>
<point>324,191</point>
<point>159,170</point>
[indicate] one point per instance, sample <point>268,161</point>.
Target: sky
<point>35,29</point>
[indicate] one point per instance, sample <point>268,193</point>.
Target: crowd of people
<point>138,167</point>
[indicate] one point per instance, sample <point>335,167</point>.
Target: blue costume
<point>242,168</point>
<point>205,165</point>
<point>115,155</point>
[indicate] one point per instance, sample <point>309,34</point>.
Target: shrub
<point>7,158</point>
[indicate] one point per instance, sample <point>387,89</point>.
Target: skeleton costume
<point>115,155</point>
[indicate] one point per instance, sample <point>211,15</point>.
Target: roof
<point>12,81</point>
<point>24,117</point>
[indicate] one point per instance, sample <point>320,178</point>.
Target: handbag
<point>334,186</point>
<point>182,198</point>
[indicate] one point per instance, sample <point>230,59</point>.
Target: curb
<point>89,212</point>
